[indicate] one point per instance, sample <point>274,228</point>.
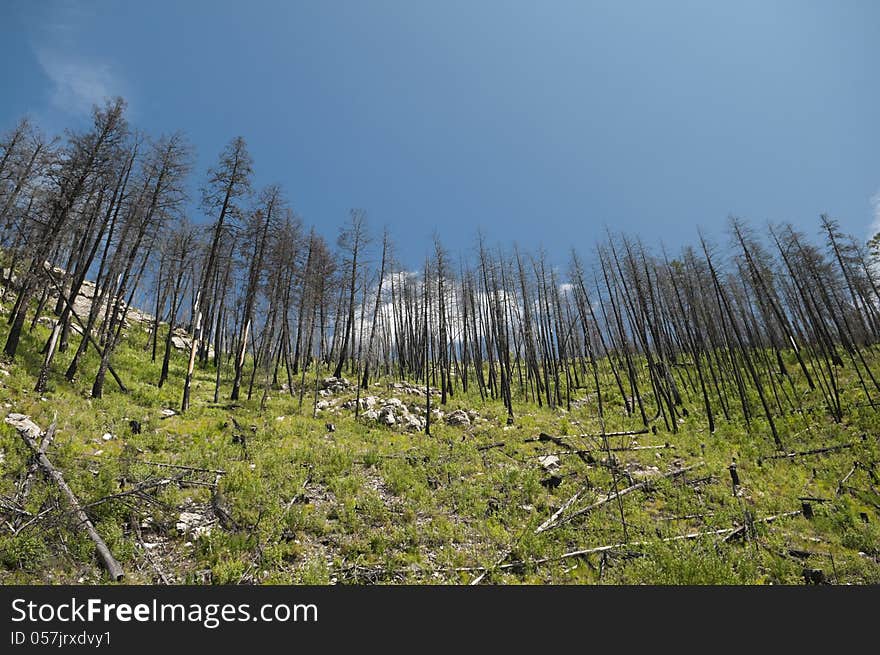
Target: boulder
<point>179,342</point>
<point>459,417</point>
<point>386,415</point>
<point>412,422</point>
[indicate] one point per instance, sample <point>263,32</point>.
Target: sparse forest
<point>200,387</point>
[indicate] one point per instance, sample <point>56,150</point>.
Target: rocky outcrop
<point>183,341</point>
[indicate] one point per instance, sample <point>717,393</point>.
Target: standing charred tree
<point>374,323</point>
<point>165,171</point>
<point>183,246</point>
<point>85,157</point>
<point>442,273</point>
<point>351,239</point>
<point>256,241</point>
<point>228,183</point>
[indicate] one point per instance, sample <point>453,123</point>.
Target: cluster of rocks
<point>412,389</point>
<point>393,412</point>
<point>193,523</point>
<point>327,405</point>
<point>331,386</point>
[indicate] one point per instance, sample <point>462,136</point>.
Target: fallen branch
<point>25,428</point>
<point>843,482</point>
<point>589,451</point>
<point>35,432</point>
<point>814,451</point>
<point>10,506</point>
<point>635,544</point>
<point>180,466</point>
<point>140,538</point>
<point>814,499</point>
<point>559,442</point>
<point>297,495</point>
<point>137,489</point>
<point>39,517</point>
<point>555,521</point>
<point>547,437</point>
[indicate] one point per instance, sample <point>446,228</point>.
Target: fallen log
<point>26,427</point>
<point>587,459</point>
<point>45,441</point>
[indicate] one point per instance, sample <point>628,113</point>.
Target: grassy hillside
<point>297,500</point>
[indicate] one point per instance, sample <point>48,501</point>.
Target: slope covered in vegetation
<point>366,502</point>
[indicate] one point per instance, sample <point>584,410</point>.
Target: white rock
<point>190,522</point>
<point>179,342</point>
<point>549,462</point>
<point>106,436</point>
<point>166,413</point>
<point>386,415</point>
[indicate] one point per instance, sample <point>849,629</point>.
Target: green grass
<point>368,504</point>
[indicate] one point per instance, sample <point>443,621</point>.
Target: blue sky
<point>538,122</point>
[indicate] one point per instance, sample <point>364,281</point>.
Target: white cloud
<point>77,84</point>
